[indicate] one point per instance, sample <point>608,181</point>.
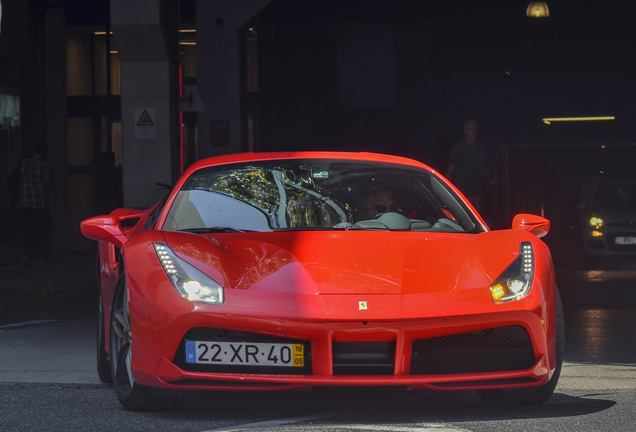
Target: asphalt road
<point>48,380</point>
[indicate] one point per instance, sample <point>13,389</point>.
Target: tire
<point>132,396</point>
<point>103,364</point>
<point>534,395</point>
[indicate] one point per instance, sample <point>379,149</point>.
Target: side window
<point>451,206</point>
<point>151,221</point>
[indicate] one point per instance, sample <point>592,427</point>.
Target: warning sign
<point>145,120</point>
<point>145,126</point>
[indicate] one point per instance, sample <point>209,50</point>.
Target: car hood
<point>350,262</point>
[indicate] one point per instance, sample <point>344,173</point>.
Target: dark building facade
<point>162,83</point>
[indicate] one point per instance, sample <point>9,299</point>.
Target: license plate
<point>245,353</point>
<point>625,240</point>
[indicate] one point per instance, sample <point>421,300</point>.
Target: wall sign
<point>145,125</point>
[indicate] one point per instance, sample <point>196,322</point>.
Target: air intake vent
<point>498,349</point>
<point>363,358</point>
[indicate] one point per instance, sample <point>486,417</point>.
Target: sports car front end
<point>293,290</point>
<point>407,315</point>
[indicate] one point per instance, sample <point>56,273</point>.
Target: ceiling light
<point>549,120</point>
<point>538,10</point>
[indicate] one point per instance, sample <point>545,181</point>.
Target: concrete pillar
<point>146,100</point>
<point>218,71</point>
<point>56,121</point>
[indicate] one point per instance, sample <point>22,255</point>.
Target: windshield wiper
<point>209,230</point>
<point>316,228</point>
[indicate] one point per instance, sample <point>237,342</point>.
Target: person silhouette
<point>37,201</point>
<point>467,164</point>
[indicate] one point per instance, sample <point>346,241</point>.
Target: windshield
<point>317,194</point>
<point>615,197</point>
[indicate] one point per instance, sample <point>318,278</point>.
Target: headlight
<point>515,282</point>
<point>191,283</point>
<point>596,222</point>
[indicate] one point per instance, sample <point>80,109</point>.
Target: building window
<point>9,125</point>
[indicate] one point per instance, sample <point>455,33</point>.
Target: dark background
<point>430,64</point>
<point>452,60</point>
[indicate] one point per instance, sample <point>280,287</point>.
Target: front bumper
<point>610,243</point>
<point>503,350</point>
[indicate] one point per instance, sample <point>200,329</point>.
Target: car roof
<point>254,157</point>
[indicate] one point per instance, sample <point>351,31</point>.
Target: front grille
<point>596,244</point>
<point>363,358</point>
<point>218,335</point>
<point>499,349</point>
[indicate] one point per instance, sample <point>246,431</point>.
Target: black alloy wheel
<point>132,396</point>
<point>103,364</point>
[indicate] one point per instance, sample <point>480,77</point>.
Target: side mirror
<point>534,224</point>
<point>104,228</point>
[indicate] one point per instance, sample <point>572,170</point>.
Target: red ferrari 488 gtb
<point>284,271</point>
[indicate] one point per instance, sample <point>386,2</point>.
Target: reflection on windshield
<point>305,194</point>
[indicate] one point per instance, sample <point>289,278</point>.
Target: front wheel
<point>535,395</point>
<point>131,395</point>
<point>103,364</point>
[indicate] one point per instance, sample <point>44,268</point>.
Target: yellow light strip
<point>549,120</point>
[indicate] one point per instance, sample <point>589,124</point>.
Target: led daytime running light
<point>528,258</point>
<point>166,260</point>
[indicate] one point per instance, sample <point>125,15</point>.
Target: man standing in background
<point>467,165</point>
<point>37,200</point>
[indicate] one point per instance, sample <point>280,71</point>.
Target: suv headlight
<point>190,282</point>
<point>596,222</point>
<point>515,282</point>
